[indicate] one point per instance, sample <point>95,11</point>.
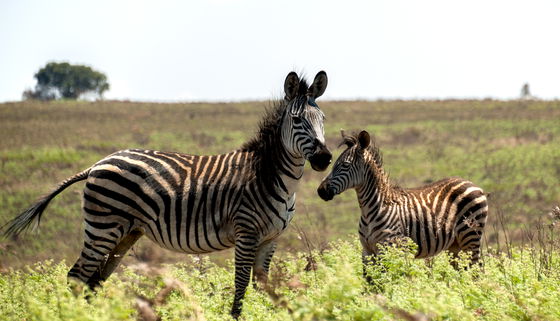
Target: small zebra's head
<point>350,169</point>
<point>302,124</point>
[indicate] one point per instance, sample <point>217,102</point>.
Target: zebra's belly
<point>195,241</point>
<point>429,243</point>
<point>207,233</point>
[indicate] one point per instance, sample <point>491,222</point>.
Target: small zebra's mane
<point>351,140</point>
<point>390,190</point>
<point>268,138</point>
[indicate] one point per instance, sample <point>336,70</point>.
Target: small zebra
<point>449,214</point>
<point>198,204</point>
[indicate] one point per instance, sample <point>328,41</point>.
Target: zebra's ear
<point>349,141</point>
<point>364,139</point>
<point>319,85</point>
<point>291,85</point>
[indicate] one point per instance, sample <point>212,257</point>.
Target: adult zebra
<point>200,204</point>
<point>449,214</point>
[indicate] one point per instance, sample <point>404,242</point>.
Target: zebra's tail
<point>22,222</point>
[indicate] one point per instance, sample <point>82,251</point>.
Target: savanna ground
<point>511,149</point>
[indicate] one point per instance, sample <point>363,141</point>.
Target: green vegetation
<point>522,286</point>
<point>511,149</point>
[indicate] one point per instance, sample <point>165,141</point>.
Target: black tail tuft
<point>33,214</point>
<point>22,222</point>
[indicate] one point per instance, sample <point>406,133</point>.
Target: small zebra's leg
<point>245,248</point>
<point>470,229</point>
<point>469,236</point>
<point>371,252</point>
<point>472,245</point>
<point>454,249</point>
<point>262,263</point>
<point>369,258</point>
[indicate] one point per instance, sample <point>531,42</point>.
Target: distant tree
<point>63,80</point>
<point>525,91</point>
<point>39,94</point>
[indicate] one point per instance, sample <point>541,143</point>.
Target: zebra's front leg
<point>245,248</point>
<point>262,263</point>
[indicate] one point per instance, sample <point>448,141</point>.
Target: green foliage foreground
<point>307,286</point>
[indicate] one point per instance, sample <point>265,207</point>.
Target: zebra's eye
<point>345,164</point>
<point>296,120</point>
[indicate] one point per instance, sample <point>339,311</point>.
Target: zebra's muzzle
<point>321,159</point>
<point>325,192</point>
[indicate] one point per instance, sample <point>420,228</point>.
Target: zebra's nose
<point>321,159</point>
<point>325,192</point>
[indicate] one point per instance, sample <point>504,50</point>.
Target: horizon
<point>264,100</point>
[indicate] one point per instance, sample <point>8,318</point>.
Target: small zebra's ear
<point>349,141</point>
<point>291,85</point>
<point>319,85</point>
<point>364,139</point>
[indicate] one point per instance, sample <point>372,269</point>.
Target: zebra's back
<point>439,216</point>
<point>449,208</point>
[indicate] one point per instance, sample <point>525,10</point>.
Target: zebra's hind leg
<point>262,263</point>
<point>118,253</point>
<point>471,243</point>
<point>470,228</point>
<point>466,242</point>
<point>99,243</point>
<point>454,250</point>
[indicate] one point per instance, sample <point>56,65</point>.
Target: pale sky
<point>224,50</point>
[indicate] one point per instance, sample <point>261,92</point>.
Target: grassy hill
<point>511,149</point>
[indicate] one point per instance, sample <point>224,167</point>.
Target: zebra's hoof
<point>235,312</point>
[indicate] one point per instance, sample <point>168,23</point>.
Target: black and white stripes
<point>446,215</point>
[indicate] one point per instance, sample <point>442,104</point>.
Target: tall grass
<point>512,285</point>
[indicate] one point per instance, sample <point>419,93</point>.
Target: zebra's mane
<point>351,140</point>
<point>264,145</point>
<point>386,187</point>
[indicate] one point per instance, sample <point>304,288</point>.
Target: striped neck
<point>376,191</point>
<point>289,169</point>
<point>272,161</point>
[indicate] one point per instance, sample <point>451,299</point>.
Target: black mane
<point>386,187</point>
<point>351,140</point>
<point>267,141</point>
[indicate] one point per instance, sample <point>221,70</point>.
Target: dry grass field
<point>510,148</point>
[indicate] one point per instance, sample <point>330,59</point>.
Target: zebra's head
<point>302,125</point>
<point>351,167</point>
